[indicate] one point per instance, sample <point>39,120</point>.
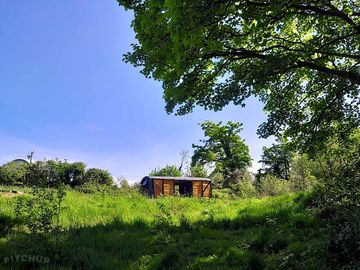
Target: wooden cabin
<point>185,186</point>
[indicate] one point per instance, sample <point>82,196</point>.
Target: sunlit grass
<point>126,230</point>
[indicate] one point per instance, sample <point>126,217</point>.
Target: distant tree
<point>223,147</point>
<point>168,170</point>
<point>40,174</point>
<point>198,171</point>
<point>276,161</point>
<point>75,173</point>
<point>123,183</point>
<point>13,173</point>
<point>54,172</point>
<point>98,176</point>
<point>184,159</point>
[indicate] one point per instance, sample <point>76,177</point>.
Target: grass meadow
<point>125,230</point>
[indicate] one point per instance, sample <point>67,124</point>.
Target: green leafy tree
<point>52,172</point>
<point>73,173</point>
<point>168,170</point>
<point>276,161</point>
<point>301,58</point>
<point>198,171</point>
<point>13,173</point>
<point>41,174</point>
<point>98,176</point>
<point>223,147</point>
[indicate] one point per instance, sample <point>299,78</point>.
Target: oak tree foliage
<point>222,147</point>
<point>301,58</point>
<point>276,160</point>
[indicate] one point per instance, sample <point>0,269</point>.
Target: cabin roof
<point>179,178</point>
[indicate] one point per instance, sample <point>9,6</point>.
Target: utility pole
<point>30,157</point>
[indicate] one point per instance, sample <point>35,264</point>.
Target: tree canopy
<point>301,58</point>
<point>168,170</point>
<point>224,147</point>
<point>276,160</point>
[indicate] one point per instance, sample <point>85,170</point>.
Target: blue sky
<point>65,92</point>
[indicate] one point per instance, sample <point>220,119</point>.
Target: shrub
<point>224,193</point>
<point>337,198</point>
<point>272,186</point>
<point>245,187</point>
<point>301,178</point>
<point>123,183</point>
<point>91,187</point>
<point>217,179</point>
<point>39,210</point>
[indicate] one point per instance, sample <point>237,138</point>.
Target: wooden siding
<point>157,188</point>
<point>206,189</point>
<point>197,188</point>
<point>168,187</point>
<point>201,189</point>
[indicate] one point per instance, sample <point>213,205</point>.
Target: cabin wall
<point>166,187</point>
<point>157,187</point>
<point>201,189</point>
<point>163,187</point>
<point>207,189</point>
<point>197,188</point>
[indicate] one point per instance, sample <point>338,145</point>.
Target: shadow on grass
<point>281,238</point>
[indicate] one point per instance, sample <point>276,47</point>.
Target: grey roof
<point>20,160</point>
<point>179,178</point>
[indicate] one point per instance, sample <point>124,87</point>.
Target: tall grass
<point>130,231</point>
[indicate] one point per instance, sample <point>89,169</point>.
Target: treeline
<point>302,174</point>
<point>50,173</point>
<point>224,157</point>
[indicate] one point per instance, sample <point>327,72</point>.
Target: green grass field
<point>130,231</point>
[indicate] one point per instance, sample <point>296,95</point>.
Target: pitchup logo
<point>25,258</point>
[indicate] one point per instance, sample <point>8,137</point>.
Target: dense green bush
<point>245,188</point>
<point>272,186</point>
<point>40,209</point>
<point>92,187</point>
<point>301,178</point>
<point>337,198</point>
<point>13,173</point>
<point>217,179</point>
<point>123,183</point>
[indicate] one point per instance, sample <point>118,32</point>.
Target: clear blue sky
<point>65,92</point>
